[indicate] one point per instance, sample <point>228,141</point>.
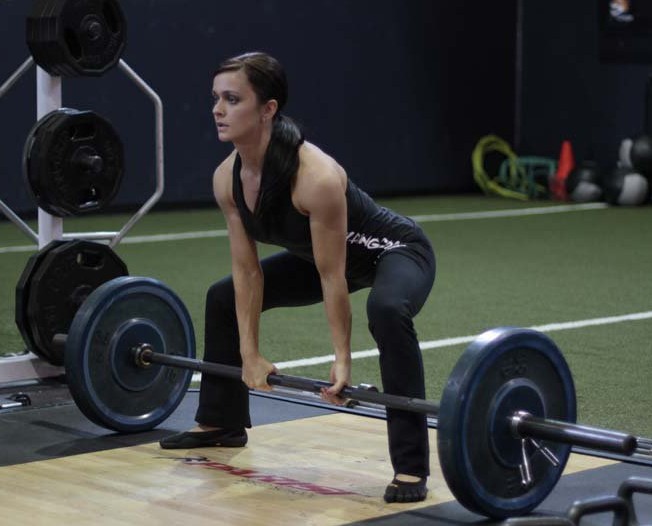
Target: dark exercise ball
<point>583,183</point>
<point>624,186</point>
<point>641,155</point>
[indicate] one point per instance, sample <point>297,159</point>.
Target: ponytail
<point>280,165</point>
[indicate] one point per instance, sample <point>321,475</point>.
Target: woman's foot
<point>406,488</point>
<point>205,436</point>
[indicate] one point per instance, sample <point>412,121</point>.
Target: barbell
<point>506,419</point>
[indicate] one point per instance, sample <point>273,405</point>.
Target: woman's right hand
<point>255,372</point>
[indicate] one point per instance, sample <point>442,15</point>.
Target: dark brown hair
<point>268,80</point>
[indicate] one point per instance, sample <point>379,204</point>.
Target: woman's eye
<point>231,99</point>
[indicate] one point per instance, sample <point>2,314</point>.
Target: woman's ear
<point>269,109</point>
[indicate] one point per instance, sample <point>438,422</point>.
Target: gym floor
<point>581,275</point>
<point>305,464</point>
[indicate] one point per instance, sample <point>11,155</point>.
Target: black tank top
<point>373,230</point>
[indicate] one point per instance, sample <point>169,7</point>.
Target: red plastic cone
<point>564,167</point>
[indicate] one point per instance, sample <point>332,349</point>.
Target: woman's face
<point>236,109</point>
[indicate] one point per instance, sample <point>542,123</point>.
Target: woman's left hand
<point>340,377</point>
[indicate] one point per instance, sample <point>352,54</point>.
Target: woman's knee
<point>388,313</point>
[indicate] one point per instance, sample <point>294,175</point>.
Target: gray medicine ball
<point>583,183</point>
<point>626,187</point>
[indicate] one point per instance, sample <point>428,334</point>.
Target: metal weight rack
<point>49,98</point>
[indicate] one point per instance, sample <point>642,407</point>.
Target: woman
<point>277,188</point>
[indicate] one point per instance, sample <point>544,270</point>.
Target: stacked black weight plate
<point>73,162</point>
<point>35,149</point>
<point>54,285</point>
<point>76,37</point>
<point>22,295</point>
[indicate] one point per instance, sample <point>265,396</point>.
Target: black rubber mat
<point>54,427</point>
<point>603,481</point>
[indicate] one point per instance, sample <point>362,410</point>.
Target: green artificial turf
<point>520,271</point>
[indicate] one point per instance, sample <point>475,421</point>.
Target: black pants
<point>399,288</point>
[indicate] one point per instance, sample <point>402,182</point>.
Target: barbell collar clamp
<point>524,467</point>
<point>547,454</point>
<point>525,425</point>
<point>141,355</point>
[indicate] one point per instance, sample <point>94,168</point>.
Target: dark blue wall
<point>568,92</point>
<point>397,90</point>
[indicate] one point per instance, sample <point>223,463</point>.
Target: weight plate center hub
<point>518,395</point>
<point>129,335</point>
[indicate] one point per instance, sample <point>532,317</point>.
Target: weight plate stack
<point>54,284</point>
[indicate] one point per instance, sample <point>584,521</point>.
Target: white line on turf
<point>490,214</point>
<point>449,342</point>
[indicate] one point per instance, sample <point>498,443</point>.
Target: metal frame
<point>49,98</point>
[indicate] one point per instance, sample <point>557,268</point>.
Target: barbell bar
<point>522,424</point>
<point>506,418</point>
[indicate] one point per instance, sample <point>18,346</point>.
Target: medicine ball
<point>583,183</point>
<point>641,155</point>
<point>626,187</point>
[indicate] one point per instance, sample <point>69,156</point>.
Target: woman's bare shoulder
<point>317,163</point>
<point>226,166</point>
<point>222,176</point>
<point>320,179</point>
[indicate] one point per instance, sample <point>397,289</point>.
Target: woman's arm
<point>248,284</point>
<point>320,192</point>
